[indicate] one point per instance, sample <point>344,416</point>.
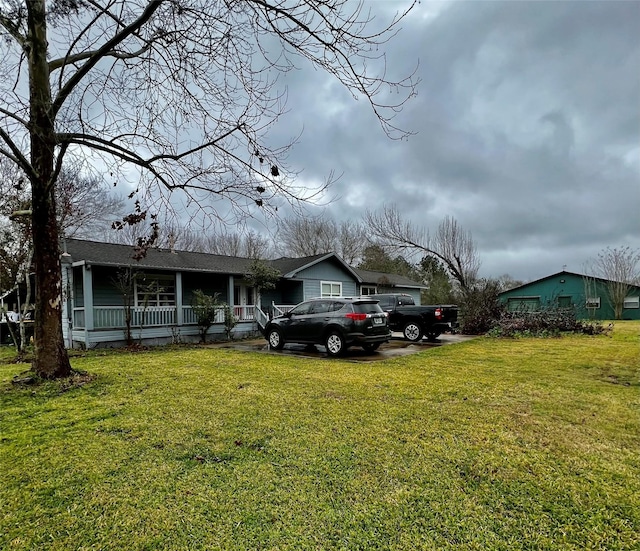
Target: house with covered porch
<point>104,286</point>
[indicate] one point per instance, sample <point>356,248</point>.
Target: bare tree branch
<point>451,244</point>
<point>178,95</point>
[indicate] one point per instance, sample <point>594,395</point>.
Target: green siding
<point>566,289</point>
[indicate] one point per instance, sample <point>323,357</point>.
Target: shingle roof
<point>375,278</point>
<point>288,265</point>
<point>110,254</point>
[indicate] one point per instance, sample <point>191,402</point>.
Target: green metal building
<point>587,294</point>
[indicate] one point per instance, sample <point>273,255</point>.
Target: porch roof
<point>111,254</point>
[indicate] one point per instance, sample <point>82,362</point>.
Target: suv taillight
<point>438,313</point>
<point>356,317</point>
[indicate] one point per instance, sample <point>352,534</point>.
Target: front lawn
<point>489,444</point>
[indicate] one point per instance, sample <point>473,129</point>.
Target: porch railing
<point>279,309</point>
<point>112,317</point>
<point>261,318</point>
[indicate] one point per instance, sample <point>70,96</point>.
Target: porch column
<point>67,304</point>
<point>179,317</point>
<point>230,292</point>
<point>87,289</point>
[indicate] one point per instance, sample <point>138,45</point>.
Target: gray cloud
<point>528,130</point>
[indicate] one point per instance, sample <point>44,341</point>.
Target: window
<point>631,302</point>
<point>301,310</point>
<point>565,302</point>
<point>330,289</point>
<point>593,302</point>
<point>320,307</point>
<point>523,304</point>
<point>366,290</point>
<point>156,290</point>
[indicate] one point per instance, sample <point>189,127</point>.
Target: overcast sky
<point>527,126</point>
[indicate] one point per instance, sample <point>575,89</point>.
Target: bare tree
<point>85,206</point>
<point>450,244</point>
<point>352,240</point>
<point>309,236</point>
<point>183,92</point>
<point>249,244</point>
<point>15,225</point>
<point>620,269</point>
<point>306,236</point>
<point>506,282</point>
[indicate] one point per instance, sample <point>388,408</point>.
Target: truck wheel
<point>432,336</point>
<point>275,339</point>
<point>412,331</point>
<point>335,344</point>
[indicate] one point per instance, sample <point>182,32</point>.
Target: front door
<point>243,296</point>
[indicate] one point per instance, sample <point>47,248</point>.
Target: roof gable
<point>290,267</point>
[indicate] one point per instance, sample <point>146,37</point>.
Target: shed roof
<point>555,275</point>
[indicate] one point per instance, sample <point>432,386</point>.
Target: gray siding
<point>312,288</point>
<point>328,271</point>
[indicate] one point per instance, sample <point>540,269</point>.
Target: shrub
<point>551,322</point>
<point>481,308</point>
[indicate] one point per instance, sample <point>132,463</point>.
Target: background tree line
<point>445,262</point>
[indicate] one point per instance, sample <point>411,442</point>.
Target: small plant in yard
<point>230,321</point>
<point>205,307</point>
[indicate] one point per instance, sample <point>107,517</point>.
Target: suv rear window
<point>367,308</point>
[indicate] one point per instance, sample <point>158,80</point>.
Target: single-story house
<point>589,295</point>
<point>103,286</point>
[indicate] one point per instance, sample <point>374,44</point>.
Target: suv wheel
<point>335,344</point>
<point>412,331</point>
<point>275,339</point>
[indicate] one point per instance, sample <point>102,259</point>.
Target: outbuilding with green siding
<point>588,295</point>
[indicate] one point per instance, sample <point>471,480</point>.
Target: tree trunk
<point>50,356</point>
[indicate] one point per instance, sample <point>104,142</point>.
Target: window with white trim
<point>631,302</point>
<point>330,289</point>
<point>593,302</point>
<point>156,290</point>
<point>368,290</point>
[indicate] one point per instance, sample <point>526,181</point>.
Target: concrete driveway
<point>397,346</point>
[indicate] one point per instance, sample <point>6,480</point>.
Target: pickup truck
<point>417,321</point>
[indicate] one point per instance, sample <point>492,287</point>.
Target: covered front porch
<point>154,307</point>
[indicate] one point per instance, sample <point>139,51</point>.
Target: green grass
<point>490,444</point>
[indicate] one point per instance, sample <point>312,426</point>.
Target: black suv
<point>336,323</point>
